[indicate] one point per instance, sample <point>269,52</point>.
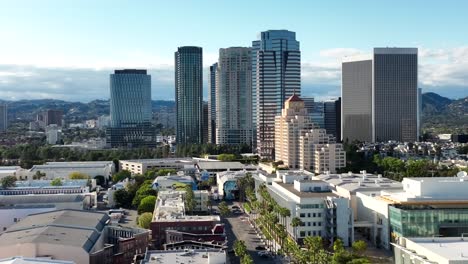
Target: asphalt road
<point>238,228</point>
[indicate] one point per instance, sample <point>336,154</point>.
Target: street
<point>238,227</point>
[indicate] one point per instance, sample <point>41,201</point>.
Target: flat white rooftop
<point>24,260</point>
<point>192,257</point>
<point>444,248</point>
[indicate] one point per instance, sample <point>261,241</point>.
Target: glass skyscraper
<point>3,117</point>
<point>212,104</point>
<point>189,95</point>
<point>130,109</point>
<point>234,97</point>
<point>276,75</point>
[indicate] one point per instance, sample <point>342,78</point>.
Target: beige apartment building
<point>320,153</point>
<point>302,146</point>
<point>293,122</point>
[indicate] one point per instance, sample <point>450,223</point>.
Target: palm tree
<point>295,222</point>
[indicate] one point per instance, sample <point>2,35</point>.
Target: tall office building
<point>379,96</point>
<point>419,113</point>
<point>206,110</point>
<point>332,117</point>
<point>189,95</point>
<point>276,75</point>
<point>130,109</point>
<point>3,117</point>
<point>318,114</point>
<point>212,104</point>
<point>234,97</point>
<point>309,103</point>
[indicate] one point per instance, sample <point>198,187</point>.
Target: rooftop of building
<point>130,71</point>
<point>158,161</point>
<point>185,256</point>
<point>9,200</point>
<point>310,194</point>
<point>448,248</point>
<point>359,181</point>
<point>170,207</point>
<point>25,260</point>
<point>181,178</point>
<point>65,227</point>
<point>294,98</point>
<point>220,165</point>
<point>47,183</point>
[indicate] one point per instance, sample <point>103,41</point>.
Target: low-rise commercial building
<point>142,165</point>
<point>185,256</point>
<point>171,224</point>
<point>62,170</point>
<point>171,182</point>
<point>433,250</point>
<point>322,212</point>
<point>43,260</point>
<point>80,236</point>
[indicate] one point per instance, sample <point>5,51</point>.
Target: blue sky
<point>66,49</point>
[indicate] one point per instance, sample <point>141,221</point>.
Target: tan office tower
<point>293,122</point>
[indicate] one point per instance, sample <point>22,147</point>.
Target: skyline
<point>67,51</point>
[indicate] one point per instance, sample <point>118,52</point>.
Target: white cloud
<point>441,70</point>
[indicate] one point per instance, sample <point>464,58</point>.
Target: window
<point>314,214</point>
<point>308,223</point>
<point>314,223</point>
<point>302,215</point>
<point>319,214</point>
<point>319,223</point>
<point>314,233</point>
<point>308,215</point>
<point>302,234</point>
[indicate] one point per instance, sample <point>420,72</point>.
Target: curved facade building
<point>130,109</point>
<point>189,95</point>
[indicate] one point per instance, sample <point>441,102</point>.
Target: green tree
<point>144,220</point>
<point>121,175</point>
<point>147,204</point>
<point>226,157</point>
<point>8,182</point>
<point>240,249</point>
<point>246,259</point>
<point>145,190</point>
<point>122,198</point>
<point>56,182</point>
<point>295,222</point>
<point>224,209</point>
<point>359,247</point>
<point>190,202</point>
<point>76,175</point>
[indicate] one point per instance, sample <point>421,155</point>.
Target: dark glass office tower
<point>130,110</point>
<point>189,95</point>
<point>212,105</point>
<point>276,75</point>
<point>395,97</point>
<point>3,117</point>
<point>332,117</point>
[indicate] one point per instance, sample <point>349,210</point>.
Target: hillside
<point>444,115</point>
<point>73,111</point>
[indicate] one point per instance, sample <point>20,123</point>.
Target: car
<point>235,207</point>
<point>260,248</point>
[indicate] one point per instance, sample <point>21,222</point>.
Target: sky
<point>67,49</point>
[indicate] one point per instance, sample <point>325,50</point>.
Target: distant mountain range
<point>444,115</point>
<point>73,111</point>
<point>438,111</point>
